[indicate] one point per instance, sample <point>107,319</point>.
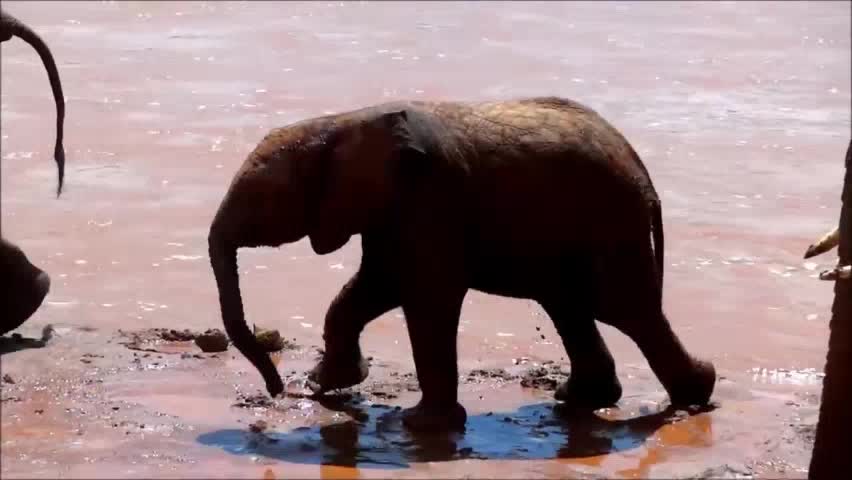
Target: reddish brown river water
<point>740,110</point>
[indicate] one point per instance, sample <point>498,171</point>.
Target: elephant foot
<point>274,387</point>
<point>333,373</point>
<point>695,387</point>
<point>435,418</point>
<point>589,394</point>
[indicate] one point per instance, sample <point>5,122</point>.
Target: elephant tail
<point>223,260</point>
<point>657,235</point>
<point>25,33</point>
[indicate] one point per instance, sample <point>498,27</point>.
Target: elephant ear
<point>362,175</point>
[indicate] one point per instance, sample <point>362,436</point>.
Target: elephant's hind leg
<point>629,298</point>
<point>593,383</point>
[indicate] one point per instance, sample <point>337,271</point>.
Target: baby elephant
<point>536,198</point>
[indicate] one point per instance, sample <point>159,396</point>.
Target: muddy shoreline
<point>740,110</point>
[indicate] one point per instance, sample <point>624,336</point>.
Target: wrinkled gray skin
<point>536,198</point>
<point>24,286</point>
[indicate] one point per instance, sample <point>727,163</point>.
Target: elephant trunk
<point>223,259</point>
<point>25,33</point>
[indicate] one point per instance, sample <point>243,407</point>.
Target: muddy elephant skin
<point>536,198</point>
<point>25,285</point>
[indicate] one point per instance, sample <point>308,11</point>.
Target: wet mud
<point>740,111</point>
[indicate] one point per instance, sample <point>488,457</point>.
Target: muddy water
<point>740,110</point>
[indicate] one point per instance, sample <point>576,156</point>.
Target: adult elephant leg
<point>831,446</point>
<point>369,294</point>
<point>630,299</point>
<point>593,383</point>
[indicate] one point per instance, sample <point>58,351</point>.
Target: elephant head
<point>11,26</point>
<point>24,287</point>
<point>327,178</point>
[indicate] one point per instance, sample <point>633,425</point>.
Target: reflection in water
<point>374,437</point>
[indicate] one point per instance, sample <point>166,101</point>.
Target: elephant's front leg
<point>432,305</point>
<point>367,295</point>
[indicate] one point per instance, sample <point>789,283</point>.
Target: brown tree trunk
<point>832,455</point>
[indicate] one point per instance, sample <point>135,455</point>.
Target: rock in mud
<point>212,340</point>
<point>271,340</point>
<point>8,378</point>
<point>543,377</point>
<point>184,335</point>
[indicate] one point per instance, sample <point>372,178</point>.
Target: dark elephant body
<point>536,198</point>
<point>831,444</point>
<point>25,285</point>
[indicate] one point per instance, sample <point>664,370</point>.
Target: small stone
<point>213,340</point>
<point>8,378</point>
<point>270,340</point>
